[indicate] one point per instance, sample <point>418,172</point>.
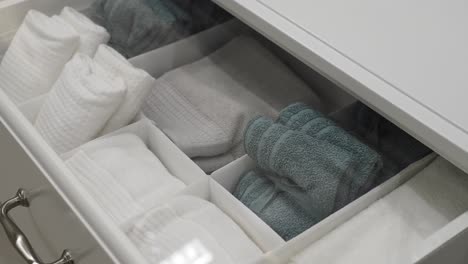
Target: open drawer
<point>61,215</point>
<point>96,238</point>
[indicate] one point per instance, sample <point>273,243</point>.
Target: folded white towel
<point>389,231</point>
<point>123,175</point>
<point>205,106</point>
<point>79,104</point>
<point>138,82</point>
<point>165,233</point>
<point>91,34</point>
<point>36,56</point>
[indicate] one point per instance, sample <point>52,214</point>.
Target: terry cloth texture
<point>368,162</point>
<point>205,106</point>
<point>79,104</point>
<point>133,25</point>
<point>278,208</point>
<point>329,175</point>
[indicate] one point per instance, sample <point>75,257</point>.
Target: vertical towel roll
<point>302,118</point>
<point>326,172</point>
<point>277,208</point>
<point>79,104</point>
<point>138,83</point>
<point>36,56</point>
<point>91,34</point>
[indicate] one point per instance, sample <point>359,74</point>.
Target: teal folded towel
<point>275,207</point>
<point>173,11</point>
<point>328,174</point>
<point>134,27</point>
<point>302,118</point>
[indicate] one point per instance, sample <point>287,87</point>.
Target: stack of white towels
<point>89,88</point>
<point>132,185</point>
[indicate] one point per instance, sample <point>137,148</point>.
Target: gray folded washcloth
<point>328,174</point>
<point>134,27</point>
<point>277,208</point>
<point>397,148</point>
<point>302,118</point>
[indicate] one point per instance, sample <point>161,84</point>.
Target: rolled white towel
<point>36,56</point>
<point>186,224</point>
<point>91,34</point>
<point>79,104</point>
<point>138,83</point>
<point>123,175</point>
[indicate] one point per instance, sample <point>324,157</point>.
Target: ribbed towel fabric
<point>138,83</point>
<point>392,229</point>
<point>123,175</point>
<point>79,104</point>
<point>205,106</point>
<point>397,148</point>
<point>324,171</point>
<point>190,222</point>
<point>91,34</point>
<point>133,26</point>
<point>278,208</point>
<point>36,56</point>
<point>368,162</point>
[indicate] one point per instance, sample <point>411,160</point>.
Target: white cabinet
<point>49,224</point>
<point>406,60</point>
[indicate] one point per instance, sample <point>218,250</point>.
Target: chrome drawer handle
<point>17,237</point>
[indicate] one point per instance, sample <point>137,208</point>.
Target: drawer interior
<point>217,187</point>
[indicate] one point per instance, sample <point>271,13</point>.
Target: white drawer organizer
<point>65,218</point>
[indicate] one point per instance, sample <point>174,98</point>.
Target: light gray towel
<point>205,106</point>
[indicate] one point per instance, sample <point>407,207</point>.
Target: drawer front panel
<point>49,223</point>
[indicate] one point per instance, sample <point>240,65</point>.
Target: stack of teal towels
<point>309,166</point>
<point>138,26</point>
